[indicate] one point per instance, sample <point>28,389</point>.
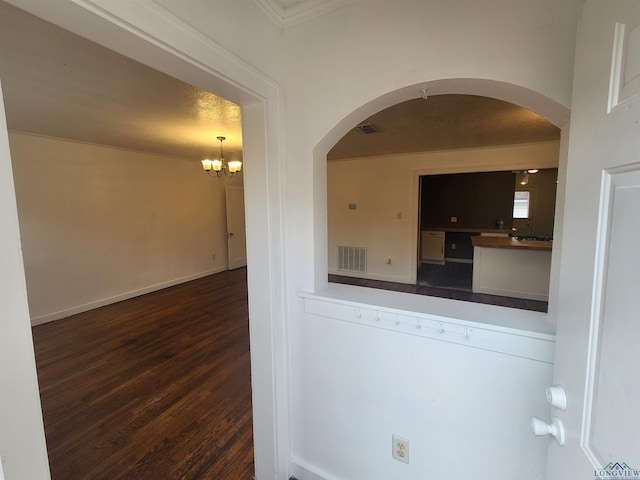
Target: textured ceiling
<point>58,84</point>
<point>445,122</point>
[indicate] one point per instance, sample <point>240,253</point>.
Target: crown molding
<point>287,16</point>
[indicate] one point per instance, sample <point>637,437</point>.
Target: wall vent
<point>352,259</point>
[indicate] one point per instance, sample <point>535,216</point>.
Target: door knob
<point>555,429</point>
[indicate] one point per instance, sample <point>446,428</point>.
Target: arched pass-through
<point>542,105</point>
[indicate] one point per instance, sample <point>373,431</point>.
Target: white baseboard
<point>512,293</point>
<point>457,260</point>
<point>67,312</point>
<point>303,471</point>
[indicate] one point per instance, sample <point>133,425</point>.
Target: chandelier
<point>220,167</point>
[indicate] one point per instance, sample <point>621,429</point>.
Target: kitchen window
<point>521,202</point>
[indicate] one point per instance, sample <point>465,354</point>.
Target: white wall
<point>350,64</point>
<point>239,26</point>
<point>465,411</point>
<point>101,224</point>
<point>381,194</point>
<point>343,68</point>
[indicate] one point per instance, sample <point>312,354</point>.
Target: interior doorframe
<point>140,29</point>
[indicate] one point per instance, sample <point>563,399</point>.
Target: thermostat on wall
<point>352,206</point>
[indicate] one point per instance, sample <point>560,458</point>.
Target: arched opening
<point>554,113</point>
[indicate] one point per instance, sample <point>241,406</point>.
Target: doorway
<point>166,201</point>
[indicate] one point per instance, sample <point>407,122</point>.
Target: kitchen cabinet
<point>512,268</point>
<point>432,247</point>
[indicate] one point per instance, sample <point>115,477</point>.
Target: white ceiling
<point>58,84</point>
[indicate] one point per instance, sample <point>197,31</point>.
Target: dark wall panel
<point>476,199</point>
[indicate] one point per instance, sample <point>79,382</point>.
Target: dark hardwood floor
<point>452,293</point>
<point>156,387</point>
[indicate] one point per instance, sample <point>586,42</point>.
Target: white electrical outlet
<point>400,448</point>
<point>454,219</point>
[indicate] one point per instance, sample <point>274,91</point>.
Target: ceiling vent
<point>367,128</point>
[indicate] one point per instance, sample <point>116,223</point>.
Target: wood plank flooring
<point>156,387</point>
<point>454,294</point>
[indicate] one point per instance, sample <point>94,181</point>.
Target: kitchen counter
<point>503,231</point>
<point>508,242</point>
<point>511,268</point>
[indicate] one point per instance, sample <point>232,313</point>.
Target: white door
<point>236,235</point>
<point>598,335</point>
